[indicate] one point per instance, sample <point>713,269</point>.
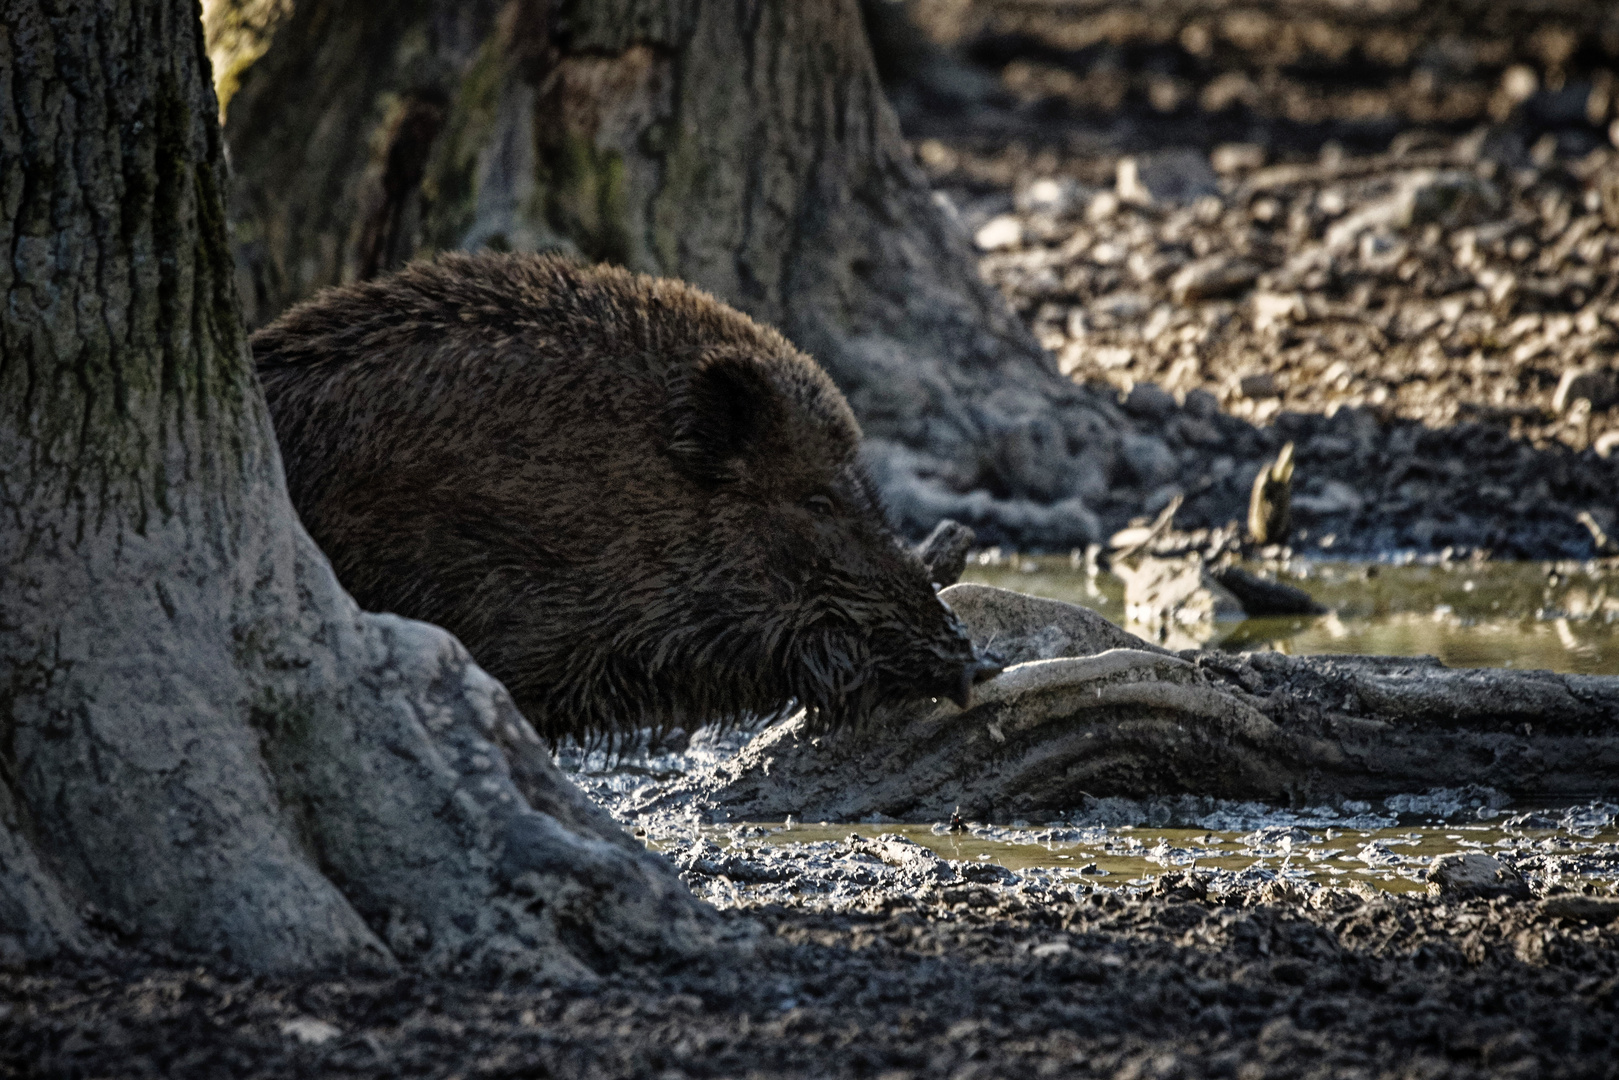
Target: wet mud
<point>953,979</point>
<point>1163,937</point>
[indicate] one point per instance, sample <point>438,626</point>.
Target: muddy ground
<point>1386,232</point>
<point>873,956</point>
<point>966,987</point>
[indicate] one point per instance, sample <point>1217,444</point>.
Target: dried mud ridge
<point>1402,216</point>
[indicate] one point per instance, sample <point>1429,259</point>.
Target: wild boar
<point>633,504</point>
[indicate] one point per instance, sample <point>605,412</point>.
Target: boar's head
<point>804,594</point>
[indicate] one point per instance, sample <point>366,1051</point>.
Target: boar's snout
<point>983,667</point>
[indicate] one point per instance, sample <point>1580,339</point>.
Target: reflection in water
<point>1393,858</point>
<point>1556,616</point>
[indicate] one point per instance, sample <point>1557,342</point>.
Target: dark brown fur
<point>633,504</point>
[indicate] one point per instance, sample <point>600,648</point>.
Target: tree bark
<point>745,148</point>
<point>1086,710</point>
<point>205,747</point>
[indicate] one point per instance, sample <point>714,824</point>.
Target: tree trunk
<point>205,747</point>
<point>745,148</point>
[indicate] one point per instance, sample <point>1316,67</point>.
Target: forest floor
<point>876,956</point>
<point>1388,233</point>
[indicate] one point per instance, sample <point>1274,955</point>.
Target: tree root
<point>1082,712</point>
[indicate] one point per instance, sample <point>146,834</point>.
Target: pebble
<point>1598,387</point>
<point>309,1031</point>
<point>999,233</point>
<point>1150,400</point>
<point>1220,275</point>
<point>1259,385</point>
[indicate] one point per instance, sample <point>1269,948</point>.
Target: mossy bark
<point>745,148</point>
<point>205,747</point>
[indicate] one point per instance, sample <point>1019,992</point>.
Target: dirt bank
<point>1386,233</point>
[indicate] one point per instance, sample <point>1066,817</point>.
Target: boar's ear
<point>719,408</point>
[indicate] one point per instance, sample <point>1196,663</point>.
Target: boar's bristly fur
<point>632,503</point>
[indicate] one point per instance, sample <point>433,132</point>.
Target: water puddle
<point>1572,848</point>
<point>1553,616</point>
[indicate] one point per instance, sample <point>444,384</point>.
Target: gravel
<point>1386,233</point>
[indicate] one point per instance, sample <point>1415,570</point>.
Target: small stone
<point>1206,279</point>
<point>1276,309</point>
<point>1149,400</point>
<point>1103,206</point>
<point>999,233</point>
<point>1530,821</point>
<point>1121,305</point>
<point>1462,876</point>
<point>1281,891</point>
<point>1519,83</point>
<point>1202,405</point>
<point>1335,497</point>
<point>1598,386</point>
<point>1501,288</point>
<point>1148,459</point>
<point>1180,885</point>
<point>1452,198</point>
<point>1172,176</point>
<point>1261,384</point>
<point>1057,197</point>
<point>309,1031</point>
<point>1237,157</point>
<point>1199,432</point>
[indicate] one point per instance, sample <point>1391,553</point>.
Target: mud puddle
<point>1557,616</point>
<point>1574,848</point>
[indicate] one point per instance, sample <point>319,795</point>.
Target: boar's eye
<point>819,505</point>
